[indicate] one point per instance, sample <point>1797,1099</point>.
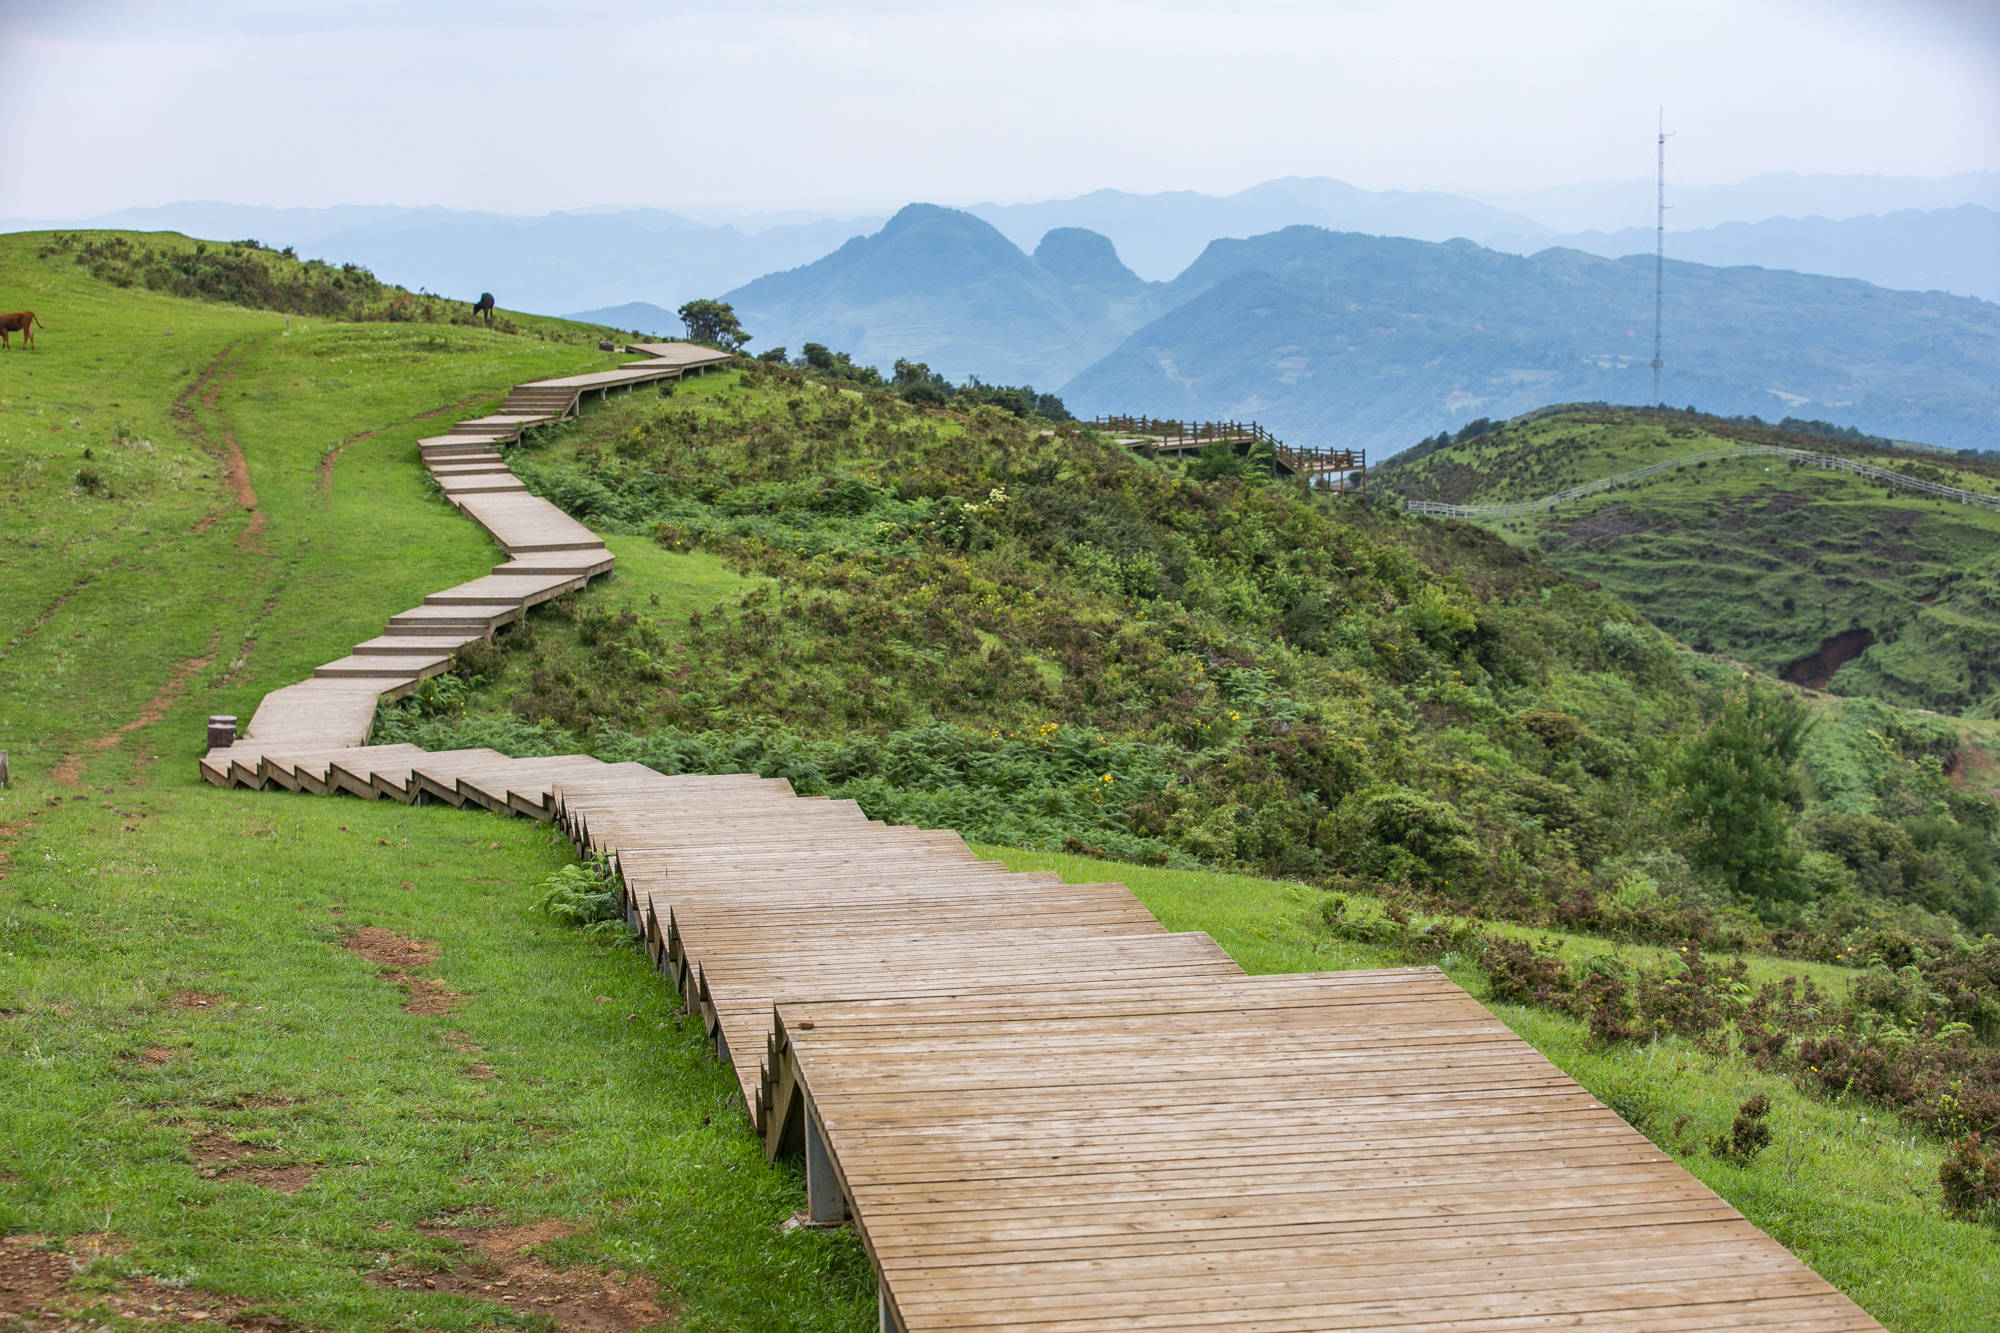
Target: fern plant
<point>585,896</point>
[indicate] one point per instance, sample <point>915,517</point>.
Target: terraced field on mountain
<point>1829,580</point>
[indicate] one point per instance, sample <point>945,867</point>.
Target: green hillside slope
<point>1831,580</point>
<point>211,1102</point>
<point>215,1105</point>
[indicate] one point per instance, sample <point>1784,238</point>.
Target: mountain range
<point>605,257</point>
<point>1343,339</point>
<point>942,287</point>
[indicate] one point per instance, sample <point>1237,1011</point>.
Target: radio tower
<point>1660,259</point>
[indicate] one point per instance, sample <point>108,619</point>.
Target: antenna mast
<point>1660,258</point>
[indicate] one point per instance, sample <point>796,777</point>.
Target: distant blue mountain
<point>1954,250</point>
<point>1924,239</point>
<point>943,287</point>
<point>1161,234</point>
<point>1615,205</point>
<point>1339,339</point>
<point>638,316</point>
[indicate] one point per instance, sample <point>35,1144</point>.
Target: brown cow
<point>22,322</point>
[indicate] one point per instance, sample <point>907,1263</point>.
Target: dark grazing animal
<point>22,322</point>
<point>485,307</point>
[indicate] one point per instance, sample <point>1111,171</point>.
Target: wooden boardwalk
<point>1040,1109</point>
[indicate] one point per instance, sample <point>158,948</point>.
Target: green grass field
<point>207,1087</point>
<point>129,617</point>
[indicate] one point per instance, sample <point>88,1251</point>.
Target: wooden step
<point>586,563</point>
<point>374,667</point>
<point>504,425</point>
<point>416,645</point>
<point>515,589</point>
<point>429,619</point>
<point>481,484</point>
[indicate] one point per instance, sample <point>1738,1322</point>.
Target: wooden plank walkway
<point>1041,1109</point>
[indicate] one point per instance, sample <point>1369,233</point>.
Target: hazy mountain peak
<point>1083,258</point>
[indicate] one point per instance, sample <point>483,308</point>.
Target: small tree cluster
<point>713,322</point>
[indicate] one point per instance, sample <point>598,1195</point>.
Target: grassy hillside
<point>1766,562</point>
<point>209,1087</point>
<point>226,1097</point>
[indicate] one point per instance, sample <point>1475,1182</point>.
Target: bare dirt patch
<point>35,1293</point>
<point>203,391</point>
<point>1973,767</point>
<point>235,470</point>
<point>194,999</point>
<point>156,1055</point>
<point>249,1101</point>
<point>1815,670</point>
<point>392,950</point>
<point>400,956</point>
<point>578,1300</point>
<point>1784,502</point>
<point>224,1158</point>
<point>228,455</point>
<point>428,996</point>
<point>332,456</point>
<point>1607,524</point>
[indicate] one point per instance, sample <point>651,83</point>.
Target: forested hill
<point>1828,579</point>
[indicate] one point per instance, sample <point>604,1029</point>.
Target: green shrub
<point>1970,1178</point>
<point>585,896</point>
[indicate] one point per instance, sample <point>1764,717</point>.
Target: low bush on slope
<point>1033,637</point>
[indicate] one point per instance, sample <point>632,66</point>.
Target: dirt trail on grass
<point>206,388</point>
<point>35,1292</point>
<point>9,832</point>
<point>235,469</point>
<point>578,1300</point>
<point>332,456</point>
<point>225,1158</point>
<point>69,770</point>
<point>400,957</point>
<point>47,615</point>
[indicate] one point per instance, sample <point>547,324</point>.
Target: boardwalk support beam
<point>885,1312</point>
<point>826,1205</point>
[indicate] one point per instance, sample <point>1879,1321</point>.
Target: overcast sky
<point>527,107</point>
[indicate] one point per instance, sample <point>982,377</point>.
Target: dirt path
<point>9,832</point>
<point>203,393</point>
<point>69,770</point>
<point>46,616</point>
<point>332,456</point>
